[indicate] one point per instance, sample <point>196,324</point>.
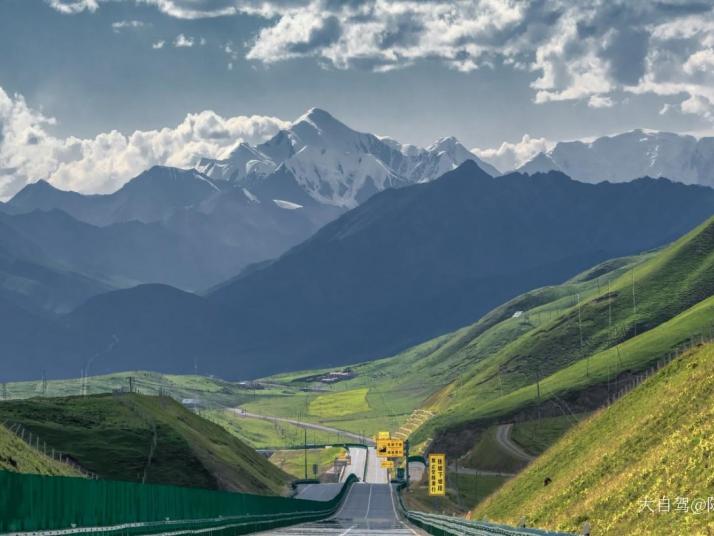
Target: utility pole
<point>305,445</point>
<point>609,308</point>
<point>538,388</point>
<point>580,323</point>
<point>634,302</point>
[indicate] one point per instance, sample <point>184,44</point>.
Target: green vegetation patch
<point>262,434</point>
<point>293,462</point>
<point>536,436</point>
<point>463,492</point>
<point>340,403</point>
<point>489,455</point>
<point>17,456</point>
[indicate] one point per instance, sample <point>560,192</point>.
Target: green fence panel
<point>34,503</point>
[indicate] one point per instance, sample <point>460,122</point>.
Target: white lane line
<point>348,530</point>
<point>394,509</point>
<point>369,502</point>
<point>344,502</point>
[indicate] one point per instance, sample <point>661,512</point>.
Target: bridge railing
<point>68,506</point>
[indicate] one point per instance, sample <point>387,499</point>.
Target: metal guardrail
<point>441,525</point>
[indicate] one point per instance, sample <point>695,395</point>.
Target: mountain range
<point>627,156</point>
<point>405,265</point>
<point>193,229</point>
<point>336,165</point>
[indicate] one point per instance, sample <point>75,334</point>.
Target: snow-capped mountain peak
<point>337,165</point>
<point>630,155</point>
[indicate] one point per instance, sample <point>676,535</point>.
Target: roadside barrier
<point>60,506</point>
<point>441,525</point>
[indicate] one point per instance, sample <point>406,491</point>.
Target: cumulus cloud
<point>104,163</point>
<point>510,156</point>
<point>183,41</point>
<point>158,44</point>
<point>589,50</point>
<point>71,7</point>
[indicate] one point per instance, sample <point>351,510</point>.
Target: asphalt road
<point>368,510</point>
<point>318,492</point>
<point>358,459</point>
<point>375,473</point>
<point>503,436</point>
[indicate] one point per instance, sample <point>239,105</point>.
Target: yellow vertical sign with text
<point>437,474</point>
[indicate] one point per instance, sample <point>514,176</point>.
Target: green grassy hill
<point>142,438</point>
<point>613,329</point>
<point>577,340</point>
<point>19,457</point>
<point>655,442</point>
<point>397,385</point>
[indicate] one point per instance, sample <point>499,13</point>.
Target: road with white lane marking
<point>376,474</point>
<point>368,510</point>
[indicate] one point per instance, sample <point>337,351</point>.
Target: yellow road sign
<point>390,448</point>
<point>387,464</point>
<point>437,474</point>
<point>383,435</point>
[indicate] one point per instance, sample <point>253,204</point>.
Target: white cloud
<point>183,41</point>
<point>127,24</point>
<point>158,45</point>
<point>71,7</point>
<point>510,156</point>
<point>600,101</point>
<point>103,163</point>
<point>589,50</point>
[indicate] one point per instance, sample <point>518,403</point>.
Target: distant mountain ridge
<point>149,197</point>
<point>630,155</point>
<point>194,228</point>
<point>432,257</point>
<point>408,264</point>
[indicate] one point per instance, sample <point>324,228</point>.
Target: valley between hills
<point>544,370</point>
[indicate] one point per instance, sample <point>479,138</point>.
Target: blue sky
<point>78,78</point>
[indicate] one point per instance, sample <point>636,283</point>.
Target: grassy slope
<point>19,457</point>
<point>666,285</point>
<point>116,435</point>
<point>293,461</point>
<point>488,455</point>
<point>463,492</point>
<point>212,392</point>
<point>266,435</point>
<point>396,385</point>
<point>635,354</point>
<point>656,441</point>
<point>477,370</point>
<point>536,436</point>
<point>399,384</point>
